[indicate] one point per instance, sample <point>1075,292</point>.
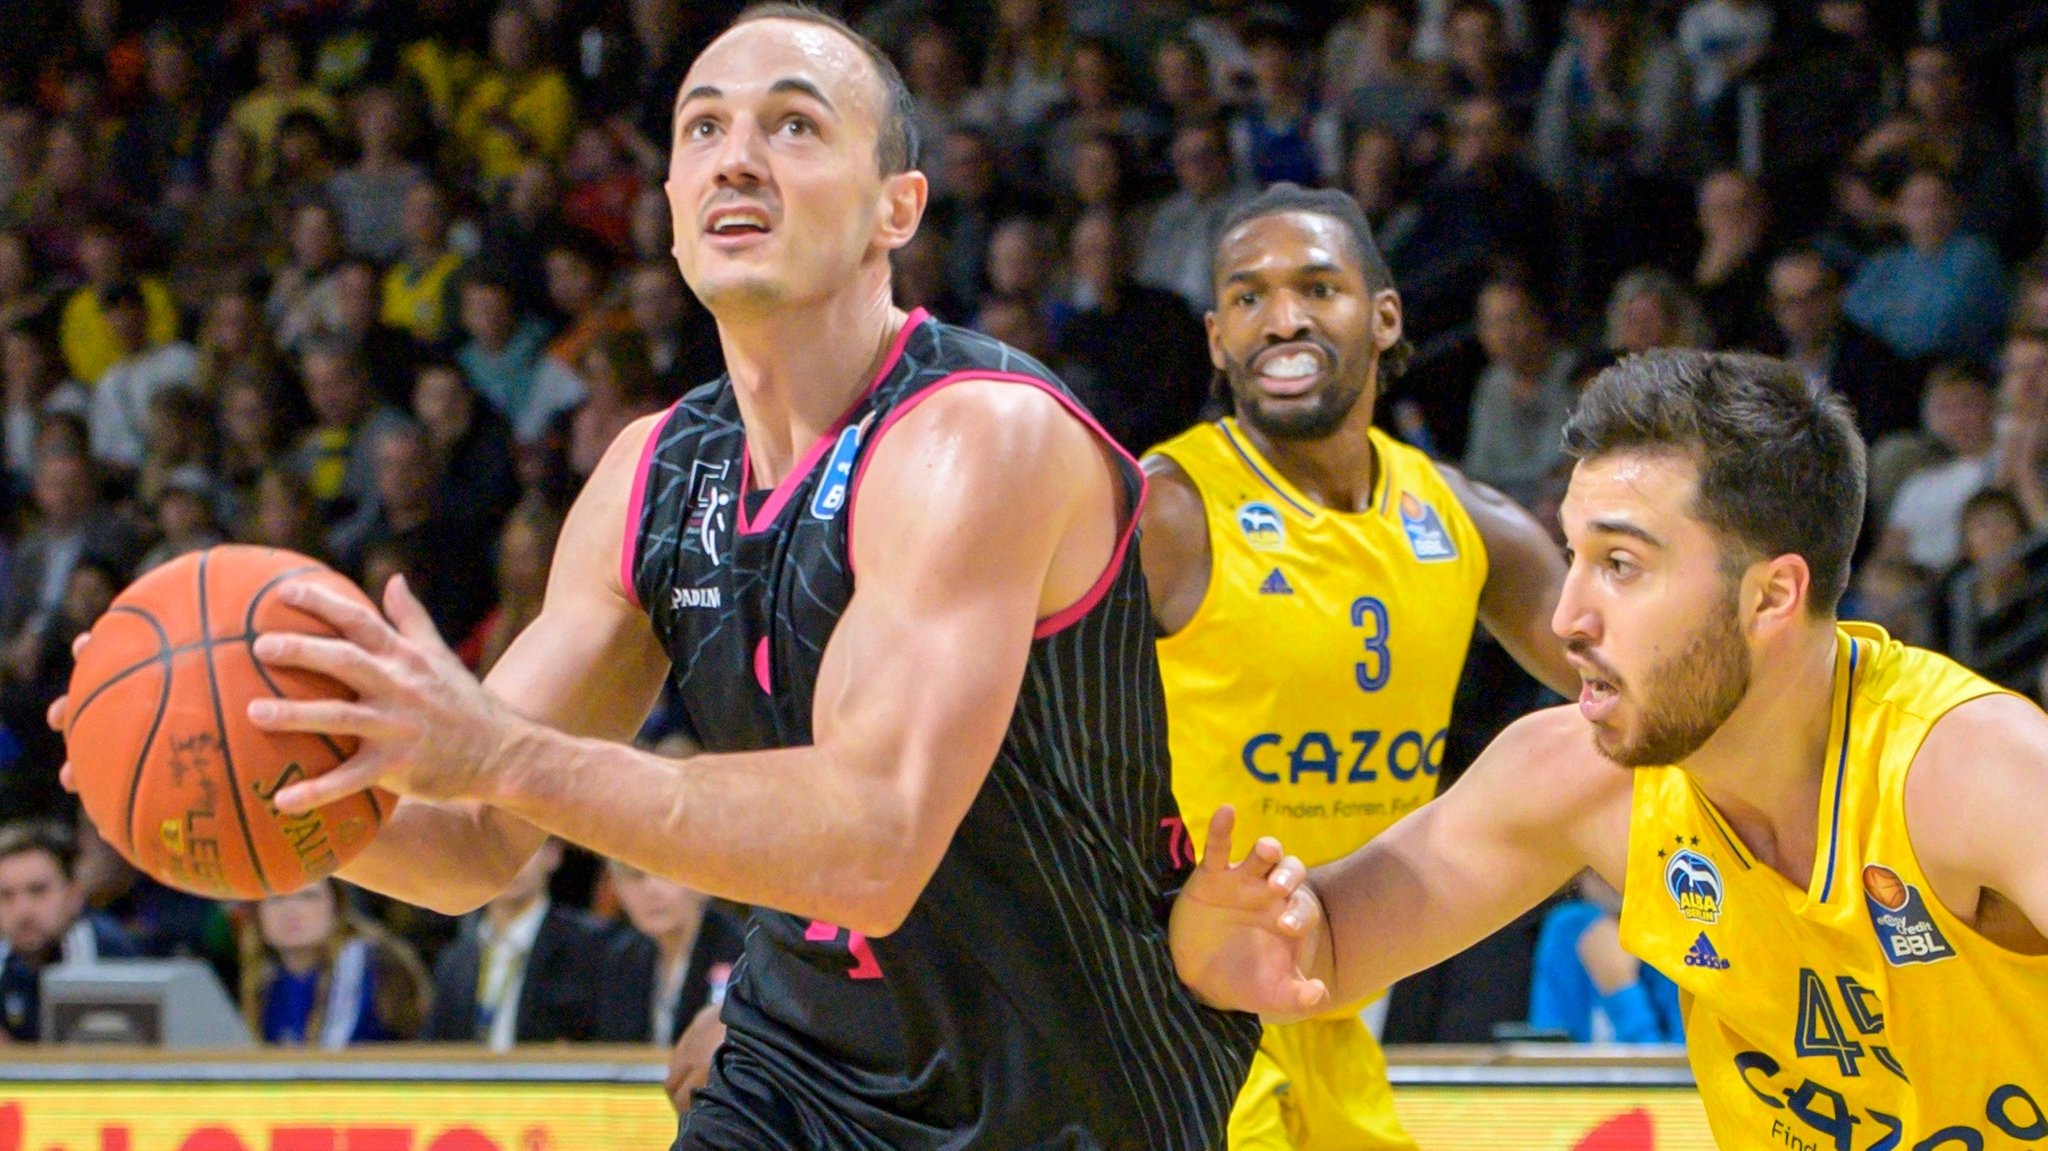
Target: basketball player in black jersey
<point>946,777</point>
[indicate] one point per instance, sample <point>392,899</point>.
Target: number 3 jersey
<point>1312,688</point>
<point>1029,999</point>
<point>1858,1014</point>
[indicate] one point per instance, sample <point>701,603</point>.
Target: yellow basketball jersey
<point>1312,689</point>
<point>1857,1014</point>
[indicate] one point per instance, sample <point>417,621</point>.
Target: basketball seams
<point>156,721</point>
<point>227,755</point>
<point>248,640</point>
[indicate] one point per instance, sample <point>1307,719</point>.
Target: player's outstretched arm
<point>588,665</point>
<point>1539,805</point>
<point>1525,573</point>
<point>987,508</point>
<point>1976,801</point>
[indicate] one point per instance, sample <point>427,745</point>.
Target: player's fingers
<point>59,711</point>
<point>1260,861</point>
<point>320,716</point>
<point>1302,913</point>
<point>67,777</point>
<point>1216,849</point>
<point>1287,875</point>
<point>1310,994</point>
<point>351,777</point>
<point>357,622</point>
<point>339,659</point>
<point>410,616</point>
<point>78,644</point>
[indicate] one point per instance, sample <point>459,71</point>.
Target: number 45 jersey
<point>1859,1014</point>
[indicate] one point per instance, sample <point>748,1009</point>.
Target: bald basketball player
<point>1830,841</point>
<point>944,783</point>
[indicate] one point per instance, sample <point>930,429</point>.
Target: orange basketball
<point>1885,886</point>
<point>166,761</point>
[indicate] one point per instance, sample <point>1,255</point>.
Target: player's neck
<point>1336,471</point>
<point>1763,768</point>
<point>796,371</point>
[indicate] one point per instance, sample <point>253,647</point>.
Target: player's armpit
<point>1976,801</point>
<point>1537,806</point>
<point>1174,545</point>
<point>1525,573</point>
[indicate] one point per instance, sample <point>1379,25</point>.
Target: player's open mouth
<point>1290,369</point>
<point>737,224</point>
<point>1597,699</point>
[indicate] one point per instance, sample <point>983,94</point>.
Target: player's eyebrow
<point>1624,528</point>
<point>787,84</point>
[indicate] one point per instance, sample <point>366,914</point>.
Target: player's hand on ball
<point>1245,935</point>
<point>427,728</point>
<point>60,711</point>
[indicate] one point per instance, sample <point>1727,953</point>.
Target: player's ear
<point>900,208</point>
<point>1386,318</point>
<point>1776,591</point>
<point>1216,359</point>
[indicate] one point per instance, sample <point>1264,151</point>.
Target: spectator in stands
<point>602,186</point>
<point>1185,82</point>
<point>526,546</point>
<point>521,108</point>
<point>470,442</point>
<point>502,357</point>
<point>1103,178</point>
<point>1021,265</point>
<point>1923,528</point>
<point>1369,74</point>
<point>1283,133</point>
<point>1649,308</point>
<point>186,516</point>
<point>1478,61</point>
<point>942,95</point>
<point>1021,77</point>
<point>1018,323</point>
<point>315,973</point>
<point>682,339</point>
<point>1135,354</point>
<point>122,395</point>
<point>283,514</point>
<point>36,669</point>
<point>1994,196</point>
<point>159,155</point>
<point>2023,423</point>
<point>282,89</point>
<point>372,194</point>
<point>301,303</point>
<point>1097,103</point>
<point>234,345</point>
<point>619,387</point>
<point>23,293</point>
<point>669,965</point>
<point>68,194</point>
<point>255,432</point>
<point>967,213</point>
<point>1481,205</point>
<point>1942,292</point>
<point>453,555</point>
<point>388,352</point>
<point>1180,241</point>
<point>1524,396</point>
<point>1433,33</point>
<point>1729,278</point>
<point>2030,293</point>
<point>43,921</point>
<point>524,218</point>
<point>1986,614</point>
<point>1723,41</point>
<point>1376,174</point>
<point>419,290</point>
<point>90,343</point>
<point>525,971</point>
<point>305,163</point>
<point>181,434</point>
<point>1587,987</point>
<point>578,269</point>
<point>35,386</point>
<point>334,455</point>
<point>224,235</point>
<point>1612,106</point>
<point>1813,333</point>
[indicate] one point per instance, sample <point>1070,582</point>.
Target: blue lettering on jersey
<point>1695,886</point>
<point>1262,526</point>
<point>1703,954</point>
<point>1276,584</point>
<point>838,479</point>
<point>1426,535</point>
<point>1905,930</point>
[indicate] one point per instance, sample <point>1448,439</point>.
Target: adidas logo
<point>1276,584</point>
<point>1704,955</point>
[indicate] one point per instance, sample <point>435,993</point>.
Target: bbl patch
<point>1426,535</point>
<point>831,494</point>
<point>1905,930</point>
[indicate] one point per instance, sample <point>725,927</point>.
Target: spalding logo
<point>1695,886</point>
<point>1262,526</point>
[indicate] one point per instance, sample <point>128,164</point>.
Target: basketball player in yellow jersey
<point>1316,583</point>
<point>1833,843</point>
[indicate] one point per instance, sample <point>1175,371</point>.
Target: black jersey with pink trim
<point>1029,999</point>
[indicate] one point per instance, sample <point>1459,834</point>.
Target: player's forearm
<point>786,828</point>
<point>449,858</point>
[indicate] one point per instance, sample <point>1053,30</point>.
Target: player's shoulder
<point>1979,752</point>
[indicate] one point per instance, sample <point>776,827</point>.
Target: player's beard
<point>1686,699</point>
<point>1325,410</point>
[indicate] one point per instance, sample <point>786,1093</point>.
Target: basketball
<point>166,762</point>
<point>1884,886</point>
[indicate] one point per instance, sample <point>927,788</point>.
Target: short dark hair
<point>897,147</point>
<point>1282,198</point>
<point>1781,465</point>
<point>45,835</point>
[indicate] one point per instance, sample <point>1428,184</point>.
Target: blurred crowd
<point>379,280</point>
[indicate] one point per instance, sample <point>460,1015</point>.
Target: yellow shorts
<point>1319,1084</point>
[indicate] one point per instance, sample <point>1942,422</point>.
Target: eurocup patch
<point>1905,930</point>
<point>838,477</point>
<point>1262,526</point>
<point>1426,535</point>
<point>1695,886</point>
